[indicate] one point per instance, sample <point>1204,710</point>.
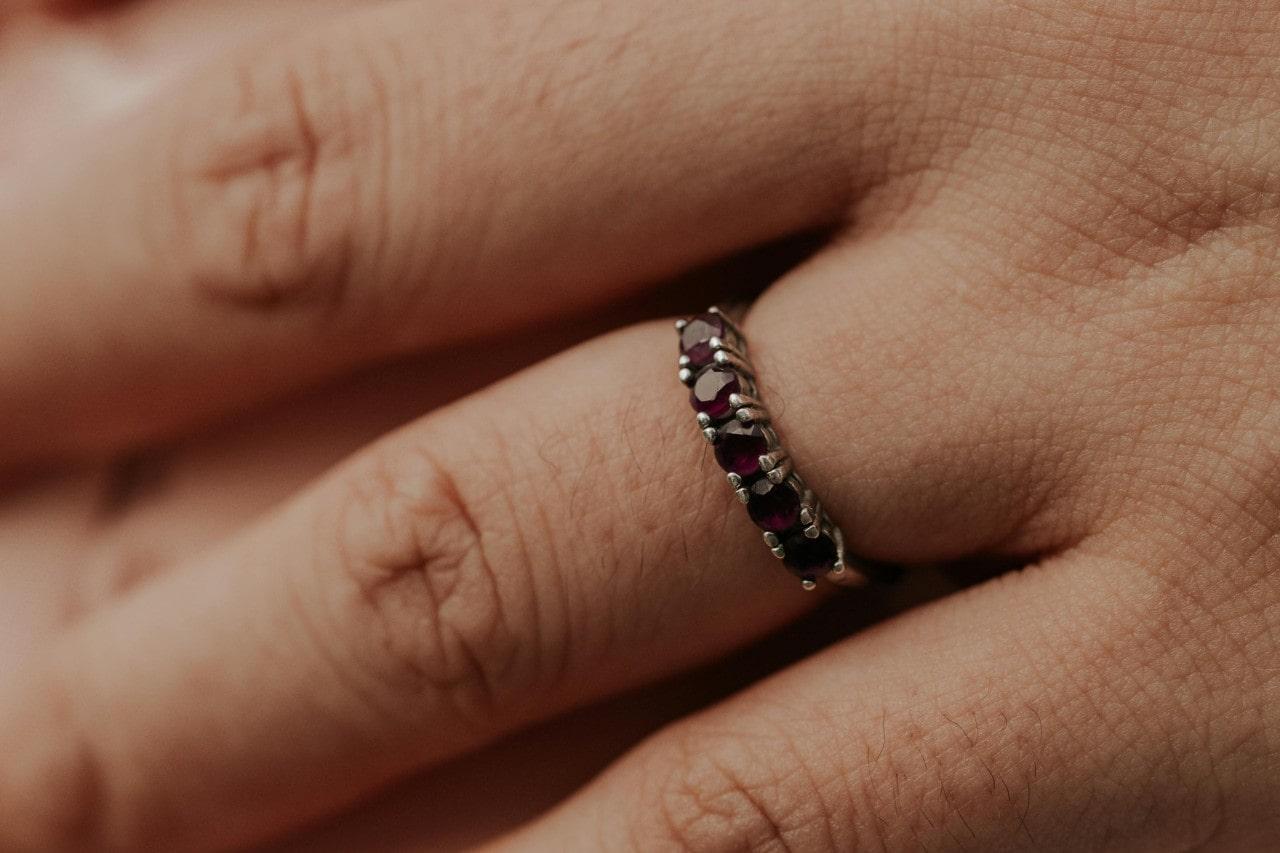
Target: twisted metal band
<point>716,368</point>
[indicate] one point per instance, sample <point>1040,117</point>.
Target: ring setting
<point>715,366</point>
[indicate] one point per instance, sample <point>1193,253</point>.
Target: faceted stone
<point>739,447</point>
<point>711,391</point>
<point>695,338</point>
<point>806,556</point>
<point>775,508</point>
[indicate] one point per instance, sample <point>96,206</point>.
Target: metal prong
<point>837,536</point>
<point>735,480</point>
<point>774,543</point>
<point>728,321</point>
<point>721,345</point>
<point>684,361</point>
<point>704,420</point>
<point>739,401</point>
<point>685,375</point>
<point>727,359</point>
<point>710,435</point>
<point>780,472</point>
<point>752,415</point>
<point>814,530</point>
<point>844,574</point>
<point>680,324</point>
<point>769,461</point>
<point>809,584</point>
<point>810,511</point>
<point>744,496</point>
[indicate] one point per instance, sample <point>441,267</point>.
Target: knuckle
<point>715,790</point>
<point>925,777</point>
<point>274,167</point>
<point>424,598</point>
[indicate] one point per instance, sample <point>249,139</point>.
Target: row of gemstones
<point>718,388</point>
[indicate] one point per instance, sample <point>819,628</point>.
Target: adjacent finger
<point>407,176</point>
<point>1078,705</point>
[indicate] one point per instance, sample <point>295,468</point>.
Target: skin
<point>1040,331</point>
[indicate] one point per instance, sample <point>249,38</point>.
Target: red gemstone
<point>695,338</point>
<point>739,447</point>
<point>711,392</point>
<point>807,557</point>
<point>775,508</point>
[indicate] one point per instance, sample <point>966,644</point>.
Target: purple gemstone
<point>775,508</point>
<point>739,447</point>
<point>695,338</point>
<point>806,556</point>
<point>711,391</point>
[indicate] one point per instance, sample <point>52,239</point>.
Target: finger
<point>409,176</point>
<point>506,559</point>
<point>1065,707</point>
<point>73,541</point>
<point>527,550</point>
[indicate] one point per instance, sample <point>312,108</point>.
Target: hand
<point>1044,331</point>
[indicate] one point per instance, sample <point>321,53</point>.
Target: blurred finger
<point>413,175</point>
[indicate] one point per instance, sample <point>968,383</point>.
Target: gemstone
<point>695,338</point>
<point>806,556</point>
<point>775,508</point>
<point>739,447</point>
<point>711,391</point>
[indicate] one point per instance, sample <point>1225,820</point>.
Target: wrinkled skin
<point>1040,331</point>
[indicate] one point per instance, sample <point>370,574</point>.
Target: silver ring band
<point>717,369</point>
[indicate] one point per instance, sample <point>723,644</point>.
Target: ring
<point>716,368</point>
